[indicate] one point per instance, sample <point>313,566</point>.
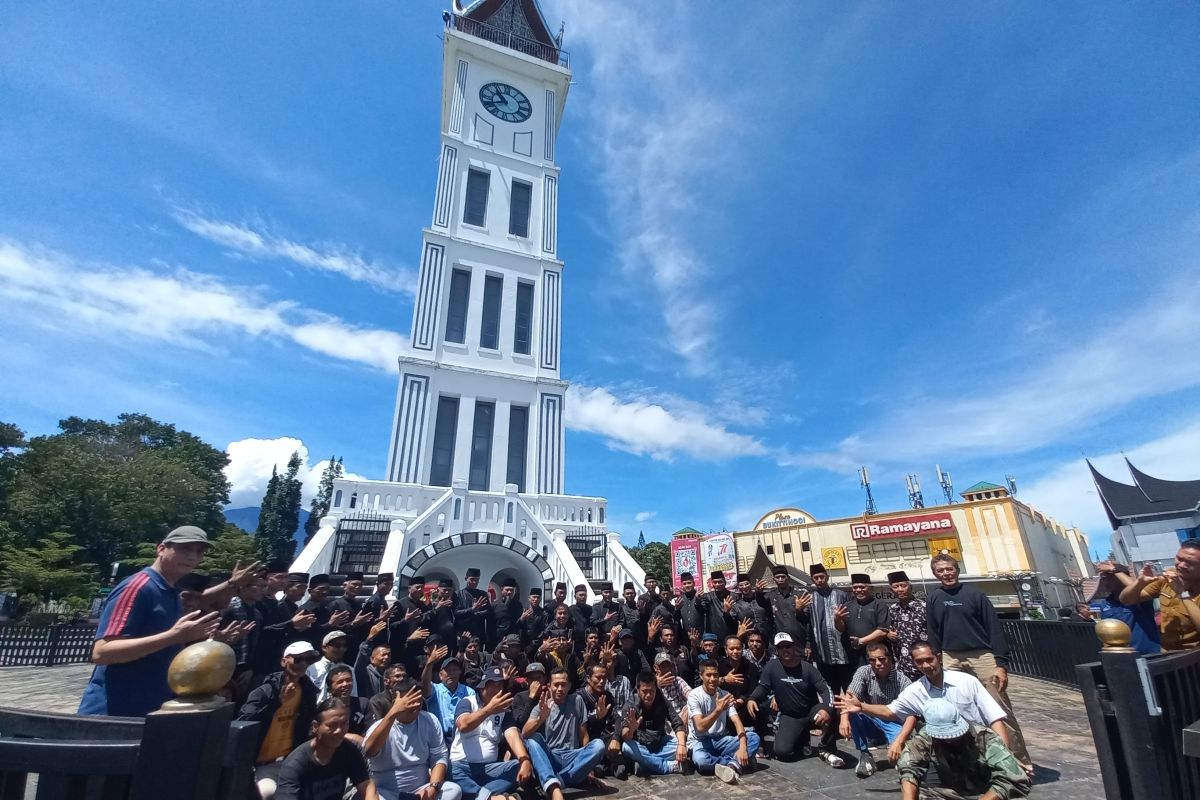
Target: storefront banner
<point>718,553</point>
<point>685,557</point>
<point>917,525</point>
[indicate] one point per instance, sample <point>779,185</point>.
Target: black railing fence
<point>490,33</point>
<point>1050,649</point>
<point>46,645</point>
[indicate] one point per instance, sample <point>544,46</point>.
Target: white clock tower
<point>476,452</point>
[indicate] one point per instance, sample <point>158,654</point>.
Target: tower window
<point>475,212</point>
<point>481,447</point>
<point>518,430</point>
<point>444,431</point>
<point>523,329</point>
<point>456,314</point>
<point>518,208</point>
<point>489,331</point>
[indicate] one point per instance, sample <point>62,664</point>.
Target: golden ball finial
<point>198,672</point>
<point>1113,633</point>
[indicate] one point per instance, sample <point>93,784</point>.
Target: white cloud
<point>655,163</point>
<point>336,259</point>
<point>251,462</point>
<point>183,307</point>
<point>644,516</point>
<point>646,428</point>
<point>1068,494</point>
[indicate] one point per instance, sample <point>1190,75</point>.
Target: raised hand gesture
<point>725,702</point>
<point>607,653</point>
<point>653,627</point>
<point>338,618</point>
<point>609,617</point>
<point>695,635</point>
<point>727,604</point>
<point>503,701</point>
<point>803,601</point>
<point>362,618</point>
<point>303,620</point>
<point>409,701</point>
<point>761,586</point>
<point>479,603</point>
<point>525,614</point>
<point>602,708</point>
<point>446,603</point>
<point>418,634</point>
<point>412,614</point>
<point>632,720</point>
<point>1148,570</point>
<point>194,626</point>
<point>376,629</point>
<point>239,574</point>
<point>439,652</point>
<point>745,625</point>
<point>847,703</point>
<point>509,671</point>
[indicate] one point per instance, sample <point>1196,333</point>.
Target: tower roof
<point>1147,497</point>
<point>520,18</point>
<point>982,486</point>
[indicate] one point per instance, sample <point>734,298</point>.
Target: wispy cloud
<point>645,428</point>
<point>644,516</point>
<point>182,307</point>
<point>332,258</point>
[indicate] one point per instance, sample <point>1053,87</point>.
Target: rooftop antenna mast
<point>915,498</point>
<point>1012,484</point>
<point>864,480</point>
<point>946,484</point>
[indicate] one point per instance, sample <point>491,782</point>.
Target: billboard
<point>916,525</point>
<point>718,553</point>
<point>685,557</point>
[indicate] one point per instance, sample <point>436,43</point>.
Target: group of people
<point>432,692</point>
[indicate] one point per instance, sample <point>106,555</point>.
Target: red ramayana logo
<point>902,526</point>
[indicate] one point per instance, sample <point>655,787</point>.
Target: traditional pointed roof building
<point>1150,517</point>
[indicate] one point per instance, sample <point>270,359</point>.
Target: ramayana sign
<point>902,526</point>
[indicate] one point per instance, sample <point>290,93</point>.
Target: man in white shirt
<point>713,749</point>
<point>480,722</point>
<point>333,651</point>
<point>965,691</point>
<point>407,752</point>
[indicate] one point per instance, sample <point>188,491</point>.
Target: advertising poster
<point>717,552</point>
<point>685,557</point>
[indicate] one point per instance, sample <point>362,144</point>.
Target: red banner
<point>685,557</point>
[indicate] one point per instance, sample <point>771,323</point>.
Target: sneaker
<point>726,773</point>
<point>620,771</point>
<point>687,767</point>
<point>832,759</point>
<point>866,765</point>
<point>637,770</point>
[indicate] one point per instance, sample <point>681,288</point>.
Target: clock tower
<point>475,459</point>
<point>480,396</point>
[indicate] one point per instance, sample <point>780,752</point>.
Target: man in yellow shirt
<point>283,706</point>
<point>1177,591</point>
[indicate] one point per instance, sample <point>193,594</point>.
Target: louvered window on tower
<point>518,209</point>
<point>444,431</point>
<point>481,447</point>
<point>518,431</point>
<point>456,313</point>
<point>523,325</point>
<point>489,329</point>
<point>477,196</point>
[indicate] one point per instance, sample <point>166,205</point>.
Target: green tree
<point>323,498</point>
<point>279,515</point>
<point>50,570</point>
<point>112,486</point>
<point>655,558</point>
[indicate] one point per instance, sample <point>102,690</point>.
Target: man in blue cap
<point>971,761</point>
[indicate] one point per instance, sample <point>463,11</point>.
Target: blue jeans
<point>708,751</point>
<point>573,766</point>
<point>483,780</point>
<point>659,760</point>
<point>869,731</point>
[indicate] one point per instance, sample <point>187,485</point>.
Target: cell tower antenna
<point>946,484</point>
<point>1012,484</point>
<point>864,480</point>
<point>915,498</point>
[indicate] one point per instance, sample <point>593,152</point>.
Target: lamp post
<point>1017,579</point>
<point>1057,597</point>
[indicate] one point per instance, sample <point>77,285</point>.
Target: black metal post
<point>52,648</point>
<point>182,753</point>
<point>1139,731</point>
<point>1105,731</point>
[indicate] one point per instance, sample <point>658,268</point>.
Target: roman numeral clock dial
<point>505,102</point>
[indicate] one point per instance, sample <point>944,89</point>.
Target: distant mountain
<point>247,519</point>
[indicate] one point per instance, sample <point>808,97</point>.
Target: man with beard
<point>505,613</point>
<point>473,609</point>
<point>906,623</point>
<point>717,607</point>
<point>862,621</point>
<point>788,608</point>
<point>826,647</point>
<point>533,619</point>
<point>582,615</point>
<point>606,614</point>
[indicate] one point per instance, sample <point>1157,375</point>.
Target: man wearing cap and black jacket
<point>377,602</point>
<point>356,621</point>
<point>442,616</point>
<point>283,706</point>
<point>325,617</point>
<point>473,609</point>
<point>582,615</point>
<point>717,607</point>
<point>283,623</point>
<point>533,620</point>
<point>863,620</point>
<point>506,612</point>
<point>788,608</point>
<point>746,609</point>
<point>688,605</point>
<point>804,702</point>
<point>606,614</point>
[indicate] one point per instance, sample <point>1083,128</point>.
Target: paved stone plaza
<point>1053,719</point>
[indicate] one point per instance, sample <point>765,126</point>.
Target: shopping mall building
<point>1011,551</point>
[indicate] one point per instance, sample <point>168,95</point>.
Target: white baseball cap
<point>784,637</point>
<point>300,649</point>
<point>333,636</point>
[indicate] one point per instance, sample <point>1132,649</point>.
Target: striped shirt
<point>867,687</point>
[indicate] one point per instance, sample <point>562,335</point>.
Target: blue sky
<point>799,238</point>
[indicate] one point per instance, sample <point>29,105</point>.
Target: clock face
<point>505,102</point>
